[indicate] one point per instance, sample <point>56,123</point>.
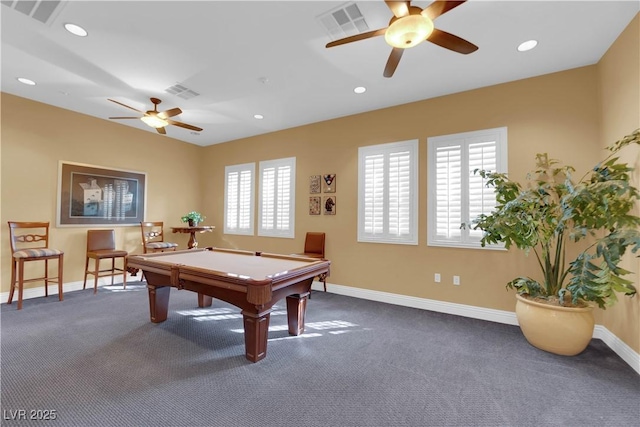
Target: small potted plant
<point>552,212</point>
<point>193,218</point>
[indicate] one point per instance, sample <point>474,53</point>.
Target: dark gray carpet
<point>97,360</point>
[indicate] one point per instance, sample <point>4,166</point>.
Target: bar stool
<point>153,237</point>
<point>101,244</point>
<point>314,248</point>
<point>30,242</point>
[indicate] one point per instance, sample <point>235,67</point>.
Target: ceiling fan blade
<point>393,61</point>
<point>170,113</point>
<point>124,117</point>
<point>399,8</point>
<point>451,42</point>
<point>161,131</point>
<point>126,106</point>
<point>357,37</point>
<point>438,8</point>
<point>184,125</point>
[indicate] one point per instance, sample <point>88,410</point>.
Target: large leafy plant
<point>553,210</point>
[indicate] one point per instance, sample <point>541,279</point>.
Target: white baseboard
<point>38,292</point>
<point>423,303</point>
<point>625,352</point>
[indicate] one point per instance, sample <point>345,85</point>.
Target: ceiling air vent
<point>40,10</point>
<point>181,91</point>
<point>345,21</point>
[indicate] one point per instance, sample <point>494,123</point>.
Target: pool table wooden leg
<point>158,302</point>
<point>256,330</point>
<point>204,300</point>
<point>296,308</point>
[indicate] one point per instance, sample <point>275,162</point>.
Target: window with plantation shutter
<point>456,194</point>
<point>239,199</point>
<point>388,193</point>
<point>276,211</point>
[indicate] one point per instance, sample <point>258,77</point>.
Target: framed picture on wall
<point>314,205</point>
<point>329,183</point>
<point>314,184</point>
<point>90,195</point>
<point>329,205</point>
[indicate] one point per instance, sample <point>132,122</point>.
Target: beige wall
<point>619,99</point>
<point>558,113</point>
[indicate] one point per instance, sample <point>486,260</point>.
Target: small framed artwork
<point>329,205</point>
<point>314,183</point>
<point>329,183</point>
<point>314,205</point>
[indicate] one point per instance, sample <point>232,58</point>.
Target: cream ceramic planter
<point>560,330</point>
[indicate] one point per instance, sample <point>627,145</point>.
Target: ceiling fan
<point>410,26</point>
<point>156,119</point>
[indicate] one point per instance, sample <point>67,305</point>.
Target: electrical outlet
<point>436,277</point>
<point>456,280</point>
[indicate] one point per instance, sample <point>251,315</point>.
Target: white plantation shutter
<point>456,194</point>
<point>482,155</point>
<point>448,191</point>
<point>283,198</point>
<point>277,198</point>
<point>267,198</point>
<point>387,193</point>
<point>399,193</point>
<point>238,199</point>
<point>374,194</point>
<point>245,202</point>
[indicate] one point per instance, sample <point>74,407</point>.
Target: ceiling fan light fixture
<point>408,31</point>
<point>154,121</point>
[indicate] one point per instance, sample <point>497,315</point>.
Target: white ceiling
<point>269,58</point>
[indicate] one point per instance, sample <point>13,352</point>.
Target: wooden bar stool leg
<point>124,273</point>
<point>60,281</point>
<point>113,269</point>
<point>95,280</point>
<point>46,277</point>
<point>13,280</point>
<point>20,282</point>
<point>86,270</point>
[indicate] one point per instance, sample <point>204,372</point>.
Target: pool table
<point>252,281</point>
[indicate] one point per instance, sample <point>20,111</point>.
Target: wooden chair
<point>30,242</point>
<point>101,244</point>
<point>314,248</point>
<point>153,237</point>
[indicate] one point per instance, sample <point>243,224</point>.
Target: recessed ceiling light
<point>26,81</point>
<point>360,89</point>
<point>528,45</point>
<point>258,116</point>
<point>76,30</point>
